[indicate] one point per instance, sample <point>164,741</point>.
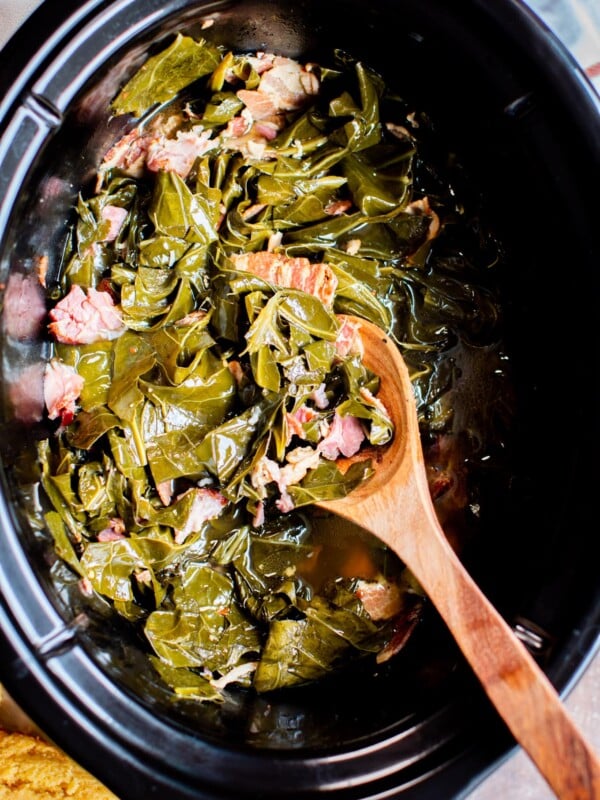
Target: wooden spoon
<point>395,505</point>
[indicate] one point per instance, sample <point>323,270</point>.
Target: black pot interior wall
<point>496,110</point>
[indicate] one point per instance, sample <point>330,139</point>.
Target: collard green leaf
<point>308,313</point>
<point>295,653</point>
<point>222,107</point>
<point>290,308</point>
<point>378,178</point>
<point>112,566</point>
<point>206,401</point>
<point>162,251</point>
<point>126,455</point>
<point>218,453</point>
<point>182,349</point>
<point>328,233</point>
<point>87,269</point>
<point>302,650</point>
<point>133,358</point>
<point>62,543</point>
<point>205,629</point>
<point>185,683</point>
<point>178,213</point>
<point>264,368</point>
<point>89,426</point>
<point>226,446</point>
<point>327,482</point>
<point>93,362</point>
<point>266,331</point>
<point>165,74</point>
<point>363,130</point>
<point>231,547</point>
<point>147,297</point>
<point>93,490</point>
<point>60,492</point>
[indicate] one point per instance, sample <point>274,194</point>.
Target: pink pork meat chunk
<point>81,318</point>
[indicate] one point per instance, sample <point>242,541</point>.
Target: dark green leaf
<point>165,74</point>
<point>178,213</point>
<point>326,482</point>
<point>298,651</point>
<point>186,683</point>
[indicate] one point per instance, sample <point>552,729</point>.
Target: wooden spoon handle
<point>518,688</point>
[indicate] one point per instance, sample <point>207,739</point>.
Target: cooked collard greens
<point>204,380</point>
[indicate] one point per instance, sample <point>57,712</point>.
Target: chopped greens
<point>165,74</point>
<point>208,381</point>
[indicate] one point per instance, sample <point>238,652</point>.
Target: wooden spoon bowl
<point>395,505</point>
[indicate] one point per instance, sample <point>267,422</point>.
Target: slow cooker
<point>526,124</point>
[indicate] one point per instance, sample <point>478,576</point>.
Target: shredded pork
<point>84,318</point>
<point>62,387</point>
<point>290,273</point>
<point>207,504</point>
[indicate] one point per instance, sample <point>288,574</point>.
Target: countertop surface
<point>577,23</point>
